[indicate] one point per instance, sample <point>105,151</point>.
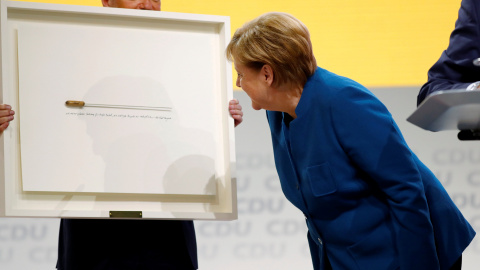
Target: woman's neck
<point>290,98</point>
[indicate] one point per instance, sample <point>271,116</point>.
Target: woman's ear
<point>267,74</point>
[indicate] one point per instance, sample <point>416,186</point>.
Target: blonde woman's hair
<point>278,40</point>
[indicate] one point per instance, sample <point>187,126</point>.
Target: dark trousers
<point>457,265</point>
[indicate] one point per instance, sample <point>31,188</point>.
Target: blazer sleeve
<point>369,136</point>
<point>455,68</point>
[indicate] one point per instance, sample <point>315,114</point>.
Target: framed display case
<point>119,114</point>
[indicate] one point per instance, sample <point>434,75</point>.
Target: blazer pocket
<point>376,251</point>
<point>321,180</point>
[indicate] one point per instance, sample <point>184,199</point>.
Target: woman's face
<point>253,83</point>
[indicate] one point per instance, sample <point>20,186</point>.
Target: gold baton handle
<point>74,103</point>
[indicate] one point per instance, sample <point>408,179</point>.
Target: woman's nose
<point>146,4</point>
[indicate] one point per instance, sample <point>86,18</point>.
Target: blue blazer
<point>455,69</point>
<point>369,202</point>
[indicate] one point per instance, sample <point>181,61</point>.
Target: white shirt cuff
<point>473,86</point>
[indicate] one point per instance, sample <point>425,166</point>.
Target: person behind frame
<point>126,244</point>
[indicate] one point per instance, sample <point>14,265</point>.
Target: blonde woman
<point>369,203</point>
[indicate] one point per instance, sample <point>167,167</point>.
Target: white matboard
<point>102,149</point>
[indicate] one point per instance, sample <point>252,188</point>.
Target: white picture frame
<point>55,161</point>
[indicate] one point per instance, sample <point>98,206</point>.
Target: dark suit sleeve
<point>455,69</point>
<point>370,137</point>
